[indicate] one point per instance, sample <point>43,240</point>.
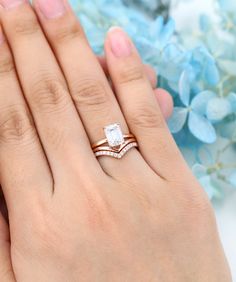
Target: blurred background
<point>186,15</point>
<point>191,44</point>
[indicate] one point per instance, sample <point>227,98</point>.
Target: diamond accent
<point>114,135</point>
<point>117,155</point>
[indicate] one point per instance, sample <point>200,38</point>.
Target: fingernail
<point>10,4</point>
<point>51,8</point>
<point>120,42</point>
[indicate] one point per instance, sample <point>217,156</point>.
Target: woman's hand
<point>74,217</point>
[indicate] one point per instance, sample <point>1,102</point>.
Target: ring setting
<point>116,144</point>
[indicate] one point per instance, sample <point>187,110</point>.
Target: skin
<point>73,217</point>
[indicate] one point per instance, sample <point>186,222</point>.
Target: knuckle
<point>26,24</point>
<point>147,117</point>
<point>89,92</point>
<point>130,74</point>
<point>56,137</point>
<point>67,31</point>
<point>49,94</point>
<point>16,125</point>
<point>6,64</point>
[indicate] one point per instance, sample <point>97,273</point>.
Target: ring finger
<point>141,112</point>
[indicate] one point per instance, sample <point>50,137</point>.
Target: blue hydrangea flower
<point>194,112</point>
<point>220,107</point>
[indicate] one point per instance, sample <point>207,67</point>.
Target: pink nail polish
<point>51,8</point>
<point>11,4</point>
<point>120,42</point>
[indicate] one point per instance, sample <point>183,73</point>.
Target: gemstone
<point>114,135</point>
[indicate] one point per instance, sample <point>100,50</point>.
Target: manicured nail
<point>11,4</point>
<point>52,8</point>
<point>120,42</point>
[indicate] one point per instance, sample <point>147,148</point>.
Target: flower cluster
<point>201,79</point>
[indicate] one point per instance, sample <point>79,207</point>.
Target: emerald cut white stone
<point>114,135</point>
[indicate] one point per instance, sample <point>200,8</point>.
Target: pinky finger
<point>150,72</point>
<point>151,75</point>
<point>164,99</point>
<point>165,102</point>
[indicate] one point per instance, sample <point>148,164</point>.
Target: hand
<point>6,273</point>
<point>74,217</point>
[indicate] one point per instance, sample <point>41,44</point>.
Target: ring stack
<point>115,144</point>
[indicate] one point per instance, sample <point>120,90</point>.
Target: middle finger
<point>57,121</point>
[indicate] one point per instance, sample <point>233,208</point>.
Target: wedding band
<point>116,144</point>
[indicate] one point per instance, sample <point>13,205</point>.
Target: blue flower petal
<point>204,65</point>
<point>201,128</point>
<point>228,66</point>
<point>205,23</point>
<point>199,102</point>
<point>178,119</point>
<point>232,101</point>
<point>199,170</point>
<point>206,183</point>
<point>156,26</point>
<point>167,32</point>
<point>232,179</point>
<point>218,108</point>
<point>228,130</point>
<point>184,88</point>
<point>211,74</point>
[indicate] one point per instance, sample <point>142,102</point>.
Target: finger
<point>138,103</point>
<point>87,82</point>
<point>4,232</point>
<point>151,74</point>
<point>61,132</point>
<point>163,97</point>
<point>23,165</point>
<point>3,207</point>
<point>165,102</point>
<point>103,64</point>
<point>6,271</point>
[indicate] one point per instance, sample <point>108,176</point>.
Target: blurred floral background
<point>194,53</point>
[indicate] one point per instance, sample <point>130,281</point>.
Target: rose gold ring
<point>115,144</point>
